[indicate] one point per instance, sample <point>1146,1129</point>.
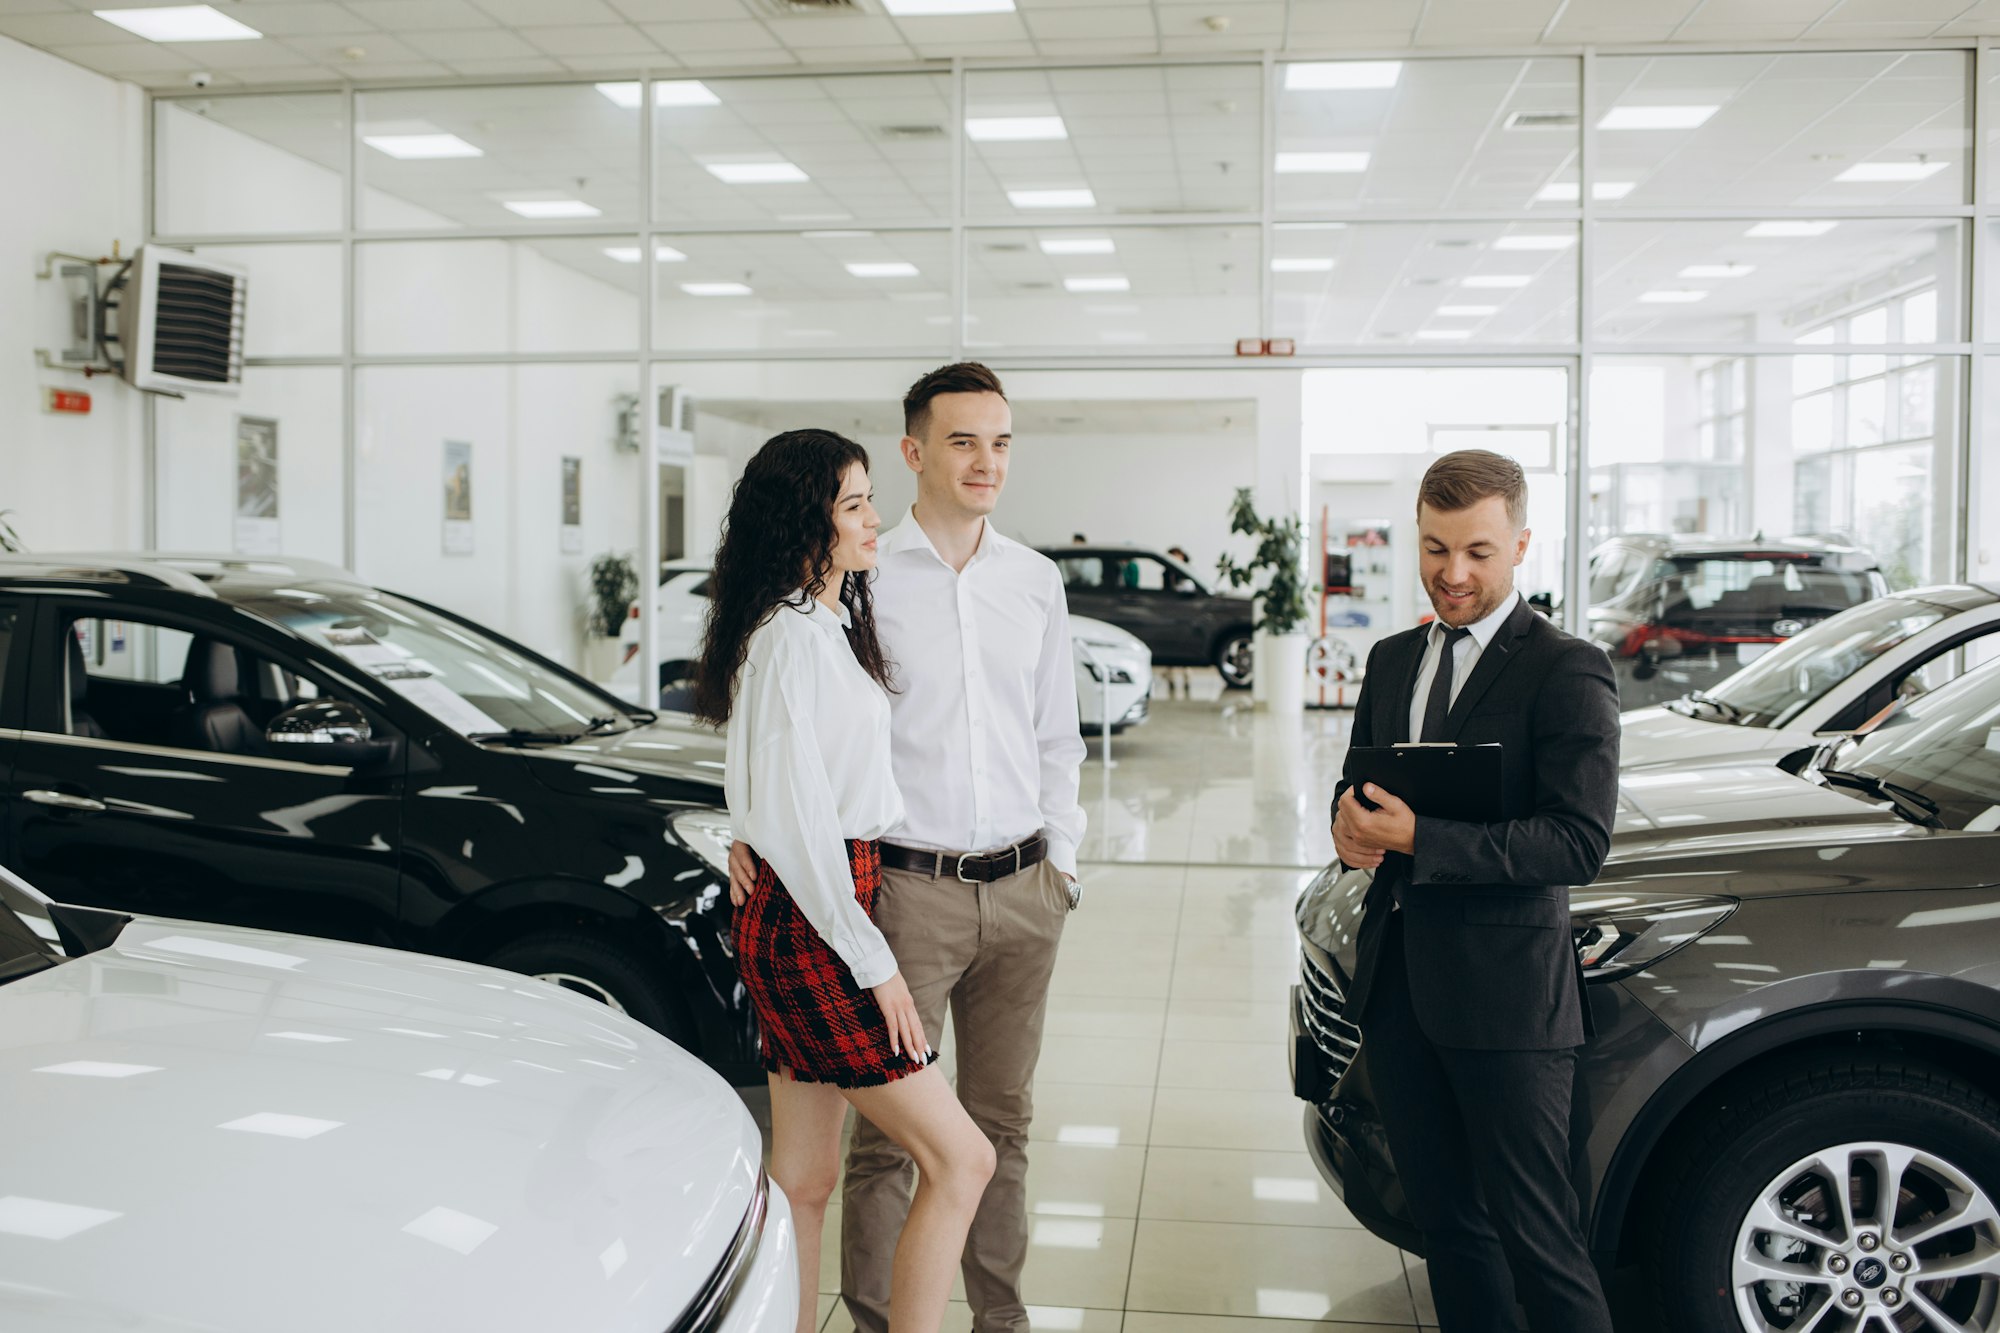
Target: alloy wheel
<point>1237,660</point>
<point>1869,1238</point>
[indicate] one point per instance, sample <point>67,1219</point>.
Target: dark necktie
<point>1439,705</point>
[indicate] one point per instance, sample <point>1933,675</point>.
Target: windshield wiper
<point>597,724</point>
<point>525,735</point>
<point>1722,706</point>
<point>1913,806</point>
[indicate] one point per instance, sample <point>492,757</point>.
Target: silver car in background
<point>231,1131</point>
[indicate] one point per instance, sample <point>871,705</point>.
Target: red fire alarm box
<point>70,401</point>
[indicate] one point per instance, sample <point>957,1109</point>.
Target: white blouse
<point>807,768</point>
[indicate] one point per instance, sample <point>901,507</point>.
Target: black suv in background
<point>271,743</point>
<point>1163,603</point>
<point>1678,614</point>
<point>1790,1111</point>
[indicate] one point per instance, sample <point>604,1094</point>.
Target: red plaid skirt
<point>816,1022</point>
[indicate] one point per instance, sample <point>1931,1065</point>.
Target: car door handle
<point>64,801</point>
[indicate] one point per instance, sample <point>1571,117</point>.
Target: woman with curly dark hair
<point>791,662</point>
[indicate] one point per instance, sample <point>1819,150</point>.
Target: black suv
<point>1160,600</point>
<point>1678,614</point>
<point>1790,1111</point>
<point>270,743</point>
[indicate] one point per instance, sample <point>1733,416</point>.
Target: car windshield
<point>470,682</point>
<point>1778,686</point>
<point>27,937</point>
<point>1945,748</point>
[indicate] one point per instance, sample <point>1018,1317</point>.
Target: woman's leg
<point>806,1120</point>
<point>954,1162</point>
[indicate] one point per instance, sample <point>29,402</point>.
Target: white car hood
<point>1107,640</point>
<point>228,1130</point>
<point>1654,736</point>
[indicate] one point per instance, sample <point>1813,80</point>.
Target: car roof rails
<point>92,567</point>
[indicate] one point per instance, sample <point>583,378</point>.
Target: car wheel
<point>597,970</point>
<point>1236,659</point>
<point>1856,1196</point>
<point>676,684</point>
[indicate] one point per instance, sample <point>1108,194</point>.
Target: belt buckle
<point>959,870</point>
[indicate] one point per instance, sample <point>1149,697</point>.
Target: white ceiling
<point>441,40</point>
<point>1221,417</point>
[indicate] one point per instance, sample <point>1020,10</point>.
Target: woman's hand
<point>906,1030</point>
<point>742,872</point>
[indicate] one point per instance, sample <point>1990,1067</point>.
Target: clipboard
<point>1440,781</point>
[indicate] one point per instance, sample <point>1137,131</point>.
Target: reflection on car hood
<point>1096,632</point>
<point>675,747</point>
<point>218,1129</point>
<point>1654,736</point>
<point>1752,803</point>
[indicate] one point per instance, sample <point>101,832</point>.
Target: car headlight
<point>1621,934</point>
<point>707,834</point>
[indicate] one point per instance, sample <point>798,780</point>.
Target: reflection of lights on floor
<point>1274,1303</point>
<point>1089,1136</point>
<point>1284,1189</point>
<point>1059,1317</point>
<point>1054,1209</point>
<point>1064,1235</point>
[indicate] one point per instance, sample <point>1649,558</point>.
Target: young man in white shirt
<point>977,881</point>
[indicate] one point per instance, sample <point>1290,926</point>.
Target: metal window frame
<point>1579,355</point>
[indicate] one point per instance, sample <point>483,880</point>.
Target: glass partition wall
<point>1762,276</point>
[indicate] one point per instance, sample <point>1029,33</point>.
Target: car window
<point>1146,574</point>
<point>1081,571</point>
<point>1757,590</point>
<point>1946,748</point>
<point>1607,573</point>
<point>9,617</point>
<point>1778,686</point>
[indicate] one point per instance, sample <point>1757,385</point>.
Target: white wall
<point>72,154</point>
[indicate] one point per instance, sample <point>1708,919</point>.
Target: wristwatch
<point>1075,894</point>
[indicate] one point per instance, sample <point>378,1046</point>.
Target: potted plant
<point>613,584</point>
<point>1281,600</point>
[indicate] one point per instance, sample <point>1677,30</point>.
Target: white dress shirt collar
<point>1488,626</point>
<point>909,535</point>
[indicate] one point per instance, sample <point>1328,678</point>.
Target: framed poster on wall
<point>257,531</point>
<point>458,497</point>
<point>572,505</point>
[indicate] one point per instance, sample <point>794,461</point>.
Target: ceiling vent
<point>1542,120</point>
<point>1005,248</point>
<point>1454,243</point>
<point>901,133</point>
<point>1034,286</point>
<point>786,9</point>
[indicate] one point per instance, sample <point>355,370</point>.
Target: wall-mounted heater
<point>173,323</point>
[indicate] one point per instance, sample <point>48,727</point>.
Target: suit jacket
<point>1486,906</point>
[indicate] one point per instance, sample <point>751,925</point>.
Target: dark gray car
<point>1790,1112</point>
<point>1163,602</point>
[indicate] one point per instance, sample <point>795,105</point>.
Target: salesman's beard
<point>1459,614</point>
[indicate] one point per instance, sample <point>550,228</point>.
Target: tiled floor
<point>1168,1185</point>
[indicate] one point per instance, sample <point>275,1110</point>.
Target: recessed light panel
<point>1111,282</point>
<point>1468,311</point>
<point>1788,230</point>
<point>1717,270</point>
<point>545,210</point>
<point>1014,129</point>
<point>756,173</point>
<point>666,92</point>
<point>1302,265</point>
<point>1497,281</point>
<point>1078,245</point>
<point>629,254</point>
<point>1558,241</point>
<point>716,288</point>
<point>1890,173</point>
<point>1569,192</point>
<point>1052,198</point>
<point>1656,117</point>
<point>1300,164</point>
<point>180,23</point>
<point>1674,297</point>
<point>884,269</point>
<point>1342,75</point>
<point>415,147</point>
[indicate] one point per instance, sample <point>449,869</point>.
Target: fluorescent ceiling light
<point>1676,297</point>
<point>180,23</point>
<point>545,209</point>
<point>1497,280</point>
<point>1298,164</point>
<point>1656,117</point>
<point>756,173</point>
<point>1052,198</point>
<point>1717,270</point>
<point>1790,230</point>
<point>1308,265</point>
<point>1559,241</point>
<point>909,9</point>
<point>1568,192</point>
<point>1890,173</point>
<point>1342,75</point>
<point>716,288</point>
<point>894,268</point>
<point>629,254</point>
<point>1112,282</point>
<point>408,147</point>
<point>667,92</point>
<point>1078,245</point>
<point>1443,335</point>
<point>1468,311</point>
<point>1014,129</point>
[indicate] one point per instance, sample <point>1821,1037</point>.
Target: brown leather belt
<point>971,867</point>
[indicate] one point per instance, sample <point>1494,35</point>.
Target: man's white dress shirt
<point>987,746</point>
<point>1465,656</point>
<point>807,768</point>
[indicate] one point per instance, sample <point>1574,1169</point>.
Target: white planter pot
<point>602,657</point>
<point>1281,672</point>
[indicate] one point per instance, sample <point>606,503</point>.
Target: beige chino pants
<point>987,952</point>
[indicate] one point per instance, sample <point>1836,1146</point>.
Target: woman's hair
<point>776,550</point>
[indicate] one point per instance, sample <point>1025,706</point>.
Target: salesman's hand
<point>742,872</point>
<point>1347,843</point>
<point>1392,827</point>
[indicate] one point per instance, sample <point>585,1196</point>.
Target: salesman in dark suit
<point>1466,986</point>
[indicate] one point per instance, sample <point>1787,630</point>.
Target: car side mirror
<point>328,731</point>
<point>1186,589</point>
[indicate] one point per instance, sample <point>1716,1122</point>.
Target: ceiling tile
<point>681,38</point>
<point>171,80</point>
<point>241,55</point>
<point>394,69</point>
<point>1350,18</point>
<point>379,48</point>
<point>1097,46</point>
<point>651,60</point>
<point>463,44</point>
<point>598,39</point>
<point>126,58</point>
<point>487,69</point>
<point>71,29</point>
<point>36,7</point>
<point>731,59</point>
<point>1898,11</point>
<point>1181,20</point>
<point>1217,43</point>
<point>681,11</point>
<point>1089,22</point>
<point>293,19</point>
<point>263,74</point>
<point>834,30</point>
<point>420,15</point>
<point>1740,32</point>
<point>963,35</point>
<point>549,13</point>
<point>1839,30</point>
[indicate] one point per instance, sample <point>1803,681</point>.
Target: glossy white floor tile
<point>1276,1272</point>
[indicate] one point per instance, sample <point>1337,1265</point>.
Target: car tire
<point>676,683</point>
<point>1754,1183</point>
<point>1235,659</point>
<point>599,970</point>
